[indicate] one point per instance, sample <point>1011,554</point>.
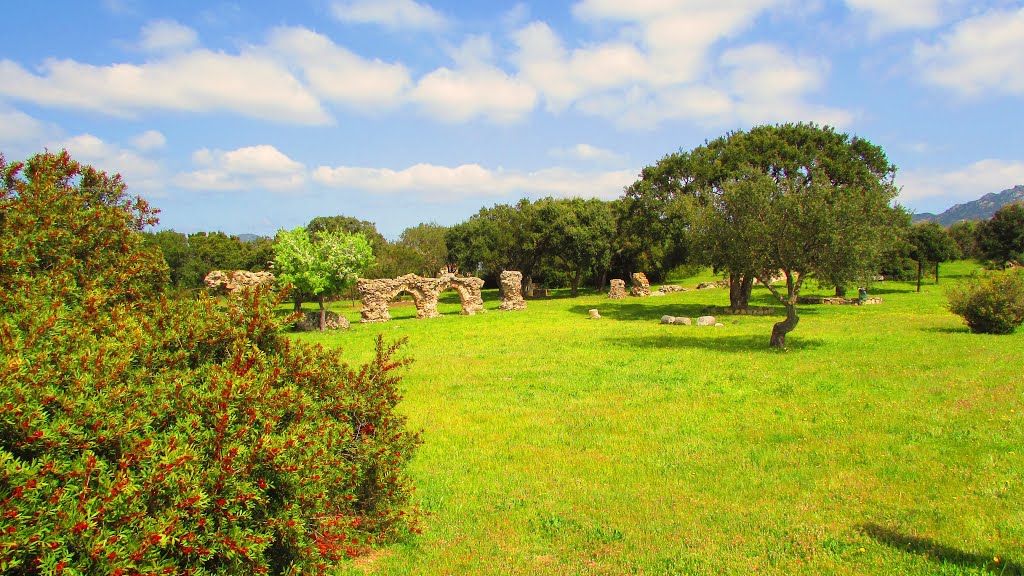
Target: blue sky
<point>259,115</point>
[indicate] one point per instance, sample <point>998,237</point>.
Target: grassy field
<point>886,440</point>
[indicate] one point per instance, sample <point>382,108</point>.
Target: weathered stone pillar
<point>618,290</point>
<point>511,291</point>
<point>641,287</point>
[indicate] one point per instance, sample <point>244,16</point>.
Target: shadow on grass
<point>941,553</point>
<point>946,330</point>
<point>692,337</point>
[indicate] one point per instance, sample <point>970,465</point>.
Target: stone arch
<point>378,293</point>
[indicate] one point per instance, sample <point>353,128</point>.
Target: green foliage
<point>321,266</point>
<point>1001,239</point>
<point>191,257</point>
<point>993,304</point>
<point>141,435</point>
<point>964,234</point>
<point>799,198</point>
<point>930,244</point>
<point>421,250</point>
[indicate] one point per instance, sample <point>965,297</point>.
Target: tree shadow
<point>642,310</point>
<point>942,554</point>
<point>947,330</point>
<point>697,338</point>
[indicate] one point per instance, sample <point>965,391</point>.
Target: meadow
<point>886,439</point>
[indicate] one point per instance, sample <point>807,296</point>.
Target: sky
<point>250,117</point>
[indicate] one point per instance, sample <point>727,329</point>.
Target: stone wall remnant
<point>512,291</point>
<point>641,287</point>
<point>377,294</point>
<point>229,281</point>
<point>594,314</point>
<point>618,290</point>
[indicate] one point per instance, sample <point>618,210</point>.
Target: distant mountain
<point>249,237</point>
<point>981,209</point>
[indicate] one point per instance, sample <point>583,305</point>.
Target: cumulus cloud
<point>937,190</point>
<point>167,36</point>
<point>979,55</point>
<point>18,129</point>
<point>140,173</point>
<point>263,167</point>
<point>336,73</point>
<point>197,81</point>
<point>150,140</point>
<point>444,183</point>
<point>393,14</point>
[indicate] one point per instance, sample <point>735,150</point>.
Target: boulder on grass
<point>310,322</point>
<point>706,321</point>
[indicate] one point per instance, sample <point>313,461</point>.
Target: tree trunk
<point>918,275</point>
<point>602,281</point>
<point>298,303</point>
<point>840,292</point>
<point>936,272</point>
<point>780,329</point>
<point>740,287</point>
<point>323,313</point>
<point>576,283</point>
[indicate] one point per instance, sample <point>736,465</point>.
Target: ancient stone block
<point>666,319</point>
<point>618,290</point>
<point>378,293</point>
<point>230,281</point>
<point>594,314</point>
<point>512,291</point>
<point>706,321</point>
<point>310,321</point>
<point>682,322</point>
<point>640,287</point>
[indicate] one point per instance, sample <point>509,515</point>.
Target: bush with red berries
<point>147,435</point>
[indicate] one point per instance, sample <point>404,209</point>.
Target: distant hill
<point>249,237</point>
<point>981,209</point>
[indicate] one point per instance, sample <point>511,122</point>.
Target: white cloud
<point>140,173</point>
<point>336,73</point>
<point>481,91</point>
<point>150,140</point>
<point>886,16</point>
<point>196,81</point>
<point>981,54</point>
<point>443,183</point>
<point>262,166</point>
<point>938,190</point>
<point>393,14</point>
<point>167,36</point>
<point>585,152</point>
<point>20,129</point>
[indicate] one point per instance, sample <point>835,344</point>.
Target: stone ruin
<point>512,291</point>
<point>618,290</point>
<point>836,300</point>
<point>641,287</point>
<point>229,281</point>
<point>378,293</point>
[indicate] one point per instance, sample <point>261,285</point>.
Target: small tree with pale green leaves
<point>323,266</point>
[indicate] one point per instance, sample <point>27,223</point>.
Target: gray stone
<point>666,319</point>
<point>706,321</point>
<point>594,314</point>
<point>719,325</point>
<point>682,322</point>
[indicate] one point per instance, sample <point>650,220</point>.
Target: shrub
<point>993,304</point>
<point>142,435</point>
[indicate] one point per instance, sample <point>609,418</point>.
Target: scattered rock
<point>670,288</point>
<point>682,322</point>
<point>657,293</point>
<point>310,322</point>
<point>594,314</point>
<point>618,290</point>
<point>706,321</point>
<point>666,319</point>
<point>719,325</point>
<point>229,281</point>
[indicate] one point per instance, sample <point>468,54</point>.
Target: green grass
<point>886,440</point>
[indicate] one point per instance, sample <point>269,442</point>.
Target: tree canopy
<point>797,198</point>
<point>1001,238</point>
<point>323,265</point>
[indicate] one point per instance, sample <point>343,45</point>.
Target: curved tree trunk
<point>780,329</point>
